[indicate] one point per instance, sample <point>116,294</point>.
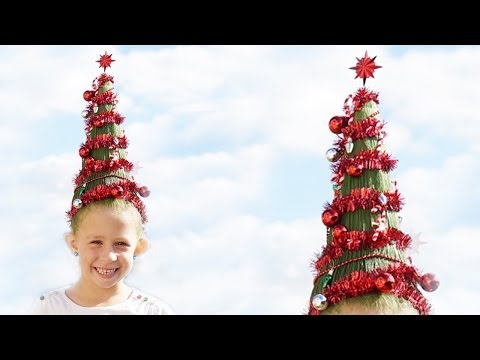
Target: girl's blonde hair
<point>372,304</point>
<point>118,205</point>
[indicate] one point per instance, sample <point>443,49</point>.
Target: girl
<point>106,219</point>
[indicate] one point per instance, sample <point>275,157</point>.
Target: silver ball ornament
<point>77,203</point>
<point>332,155</point>
<point>320,302</point>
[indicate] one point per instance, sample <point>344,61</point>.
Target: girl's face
<point>106,241</point>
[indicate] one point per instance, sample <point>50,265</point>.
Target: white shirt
<point>56,302</point>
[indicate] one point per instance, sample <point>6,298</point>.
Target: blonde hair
<point>118,205</point>
<point>372,304</point>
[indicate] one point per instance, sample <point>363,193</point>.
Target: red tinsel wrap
<point>102,192</point>
<point>106,117</point>
<point>358,240</point>
<point>106,141</point>
<point>94,166</point>
<point>365,198</point>
<point>356,102</point>
<point>360,283</point>
<point>103,78</point>
<point>362,96</point>
<point>368,159</point>
<point>358,130</point>
<point>105,98</point>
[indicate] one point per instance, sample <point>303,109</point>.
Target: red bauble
<point>144,191</point>
<point>99,122</point>
<point>84,151</point>
<point>337,123</point>
<point>117,191</point>
<point>330,217</point>
<point>429,282</point>
<point>340,234</point>
<point>385,282</point>
<point>355,170</point>
<point>89,162</point>
<point>89,95</point>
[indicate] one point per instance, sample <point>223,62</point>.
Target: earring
<point>75,253</point>
<point>134,256</point>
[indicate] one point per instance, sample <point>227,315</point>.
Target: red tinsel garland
<point>93,166</point>
<point>365,198</point>
<point>362,96</point>
<point>101,192</point>
<point>358,130</point>
<point>103,78</point>
<point>360,283</point>
<point>367,159</point>
<point>104,118</point>
<point>103,141</point>
<point>358,240</point>
<point>105,98</point>
<point>358,100</point>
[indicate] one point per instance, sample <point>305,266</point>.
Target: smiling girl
<point>106,219</point>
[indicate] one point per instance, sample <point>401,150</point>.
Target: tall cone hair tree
<point>106,172</point>
<point>364,268</point>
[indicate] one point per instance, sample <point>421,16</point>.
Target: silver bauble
<point>77,203</point>
<point>319,302</point>
<point>332,155</point>
<point>382,198</point>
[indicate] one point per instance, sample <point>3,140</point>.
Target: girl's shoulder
<point>49,302</point>
<point>150,304</point>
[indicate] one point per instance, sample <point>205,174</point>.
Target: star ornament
<point>365,67</point>
<point>105,61</point>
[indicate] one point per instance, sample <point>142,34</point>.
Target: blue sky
<point>231,140</point>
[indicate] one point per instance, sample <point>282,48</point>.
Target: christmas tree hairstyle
<point>365,262</point>
<point>106,172</point>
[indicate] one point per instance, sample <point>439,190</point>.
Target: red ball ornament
<point>330,217</point>
<point>144,191</point>
<point>385,282</point>
<point>99,122</point>
<point>89,95</point>
<point>355,170</point>
<point>337,123</point>
<point>84,151</point>
<point>117,191</point>
<point>429,282</point>
<point>340,234</point>
<point>89,162</point>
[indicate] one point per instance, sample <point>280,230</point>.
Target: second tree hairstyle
<point>365,267</point>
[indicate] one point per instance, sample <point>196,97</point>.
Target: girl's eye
<point>121,243</point>
<point>96,242</point>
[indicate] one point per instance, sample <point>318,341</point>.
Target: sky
<point>231,141</point>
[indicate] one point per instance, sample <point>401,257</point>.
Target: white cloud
<point>239,265</point>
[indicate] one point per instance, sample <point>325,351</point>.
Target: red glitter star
<point>365,67</point>
<point>105,61</point>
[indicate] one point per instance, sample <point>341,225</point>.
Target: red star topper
<point>105,61</point>
<point>365,67</point>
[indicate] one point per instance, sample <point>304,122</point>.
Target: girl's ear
<point>142,246</point>
<point>71,241</point>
